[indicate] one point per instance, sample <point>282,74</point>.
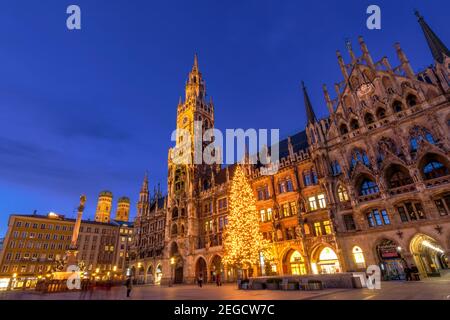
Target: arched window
<point>418,135</point>
<point>310,177</point>
<point>336,168</point>
<point>397,176</point>
<point>358,256</point>
<point>174,230</point>
<point>411,100</point>
<point>343,128</point>
<point>434,169</point>
<point>342,194</point>
<point>397,106</point>
<point>368,187</point>
<point>359,156</point>
<point>354,124</point>
<point>175,213</point>
<point>381,113</point>
<point>368,118</point>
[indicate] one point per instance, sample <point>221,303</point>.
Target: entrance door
<point>178,275</point>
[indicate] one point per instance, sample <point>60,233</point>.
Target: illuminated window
<point>359,257</point>
<point>312,203</point>
<point>327,227</point>
<point>293,208</point>
<point>285,209</point>
<point>307,229</point>
<point>322,202</point>
<point>269,214</point>
<point>342,194</point>
<point>317,229</point>
<point>297,264</point>
<point>263,215</point>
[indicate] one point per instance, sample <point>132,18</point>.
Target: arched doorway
<point>176,263</point>
<point>429,256</point>
<point>158,274</point>
<point>325,261</point>
<point>200,268</point>
<point>216,268</point>
<point>141,275</point>
<point>391,260</point>
<point>294,263</point>
<point>150,277</point>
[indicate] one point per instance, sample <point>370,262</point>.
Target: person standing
<point>218,282</point>
<point>200,280</point>
<point>408,274</point>
<point>129,285</point>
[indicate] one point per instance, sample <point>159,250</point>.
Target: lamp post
<point>172,270</point>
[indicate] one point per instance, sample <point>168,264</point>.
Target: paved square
<point>428,289</point>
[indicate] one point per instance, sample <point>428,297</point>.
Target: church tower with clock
<point>186,170</point>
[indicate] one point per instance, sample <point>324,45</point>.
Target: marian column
<point>71,257</point>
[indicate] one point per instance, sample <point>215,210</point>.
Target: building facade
<point>369,184</point>
<point>35,244</point>
<point>146,252</point>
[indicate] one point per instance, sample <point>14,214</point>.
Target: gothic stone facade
<point>369,184</point>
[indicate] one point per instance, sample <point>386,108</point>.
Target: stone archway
<point>176,264</point>
<point>324,260</point>
<point>294,263</point>
<point>150,275</point>
<point>216,268</point>
<point>140,279</point>
<point>428,254</point>
<point>392,262</point>
<point>201,268</point>
<point>158,274</point>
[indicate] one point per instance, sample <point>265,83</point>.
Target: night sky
<point>83,111</point>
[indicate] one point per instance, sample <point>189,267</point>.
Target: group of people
<point>200,280</point>
<point>410,272</point>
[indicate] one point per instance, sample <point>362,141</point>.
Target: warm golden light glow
<point>243,241</point>
<point>172,260</point>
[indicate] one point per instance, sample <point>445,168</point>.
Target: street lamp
<point>172,264</point>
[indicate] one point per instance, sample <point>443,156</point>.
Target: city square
<point>145,188</point>
<point>429,289</point>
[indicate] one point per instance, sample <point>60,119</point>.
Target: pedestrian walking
<point>129,285</point>
<point>200,280</point>
<point>218,281</point>
<point>408,274</point>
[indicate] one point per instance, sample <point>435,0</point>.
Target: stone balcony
<point>369,197</point>
<point>402,189</point>
<point>437,181</point>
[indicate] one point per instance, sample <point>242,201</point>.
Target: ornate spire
<point>437,47</point>
<point>195,66</point>
<point>308,106</point>
<point>145,183</point>
<point>195,86</point>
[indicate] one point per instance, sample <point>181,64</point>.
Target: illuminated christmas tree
<point>243,241</point>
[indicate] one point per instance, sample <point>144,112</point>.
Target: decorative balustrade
<point>402,189</point>
<point>437,181</point>
<point>369,197</point>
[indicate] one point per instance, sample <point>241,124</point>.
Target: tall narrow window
<point>342,194</point>
<point>317,229</point>
<point>322,202</point>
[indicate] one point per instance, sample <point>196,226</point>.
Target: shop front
<point>391,261</point>
<point>326,263</point>
<point>294,263</point>
<point>429,256</point>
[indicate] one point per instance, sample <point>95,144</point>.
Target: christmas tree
<point>243,242</point>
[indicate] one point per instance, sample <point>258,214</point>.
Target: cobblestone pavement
<point>436,289</point>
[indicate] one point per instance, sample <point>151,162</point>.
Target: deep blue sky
<point>87,110</point>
